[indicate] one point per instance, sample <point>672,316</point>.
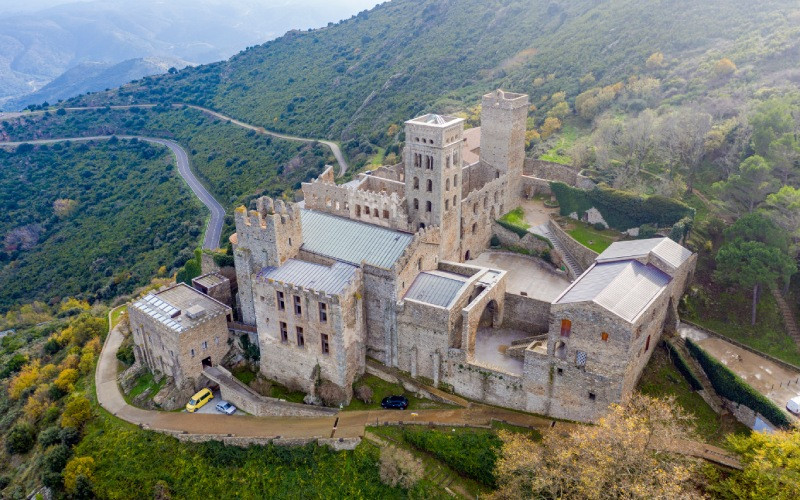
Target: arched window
<point>474,208</point>
<point>447,185</point>
<point>455,180</point>
<point>495,196</point>
<point>447,204</point>
<point>430,185</point>
<point>366,210</point>
<point>416,182</point>
<point>454,201</point>
<point>416,204</point>
<point>485,202</point>
<point>422,225</point>
<point>428,206</point>
<point>566,327</point>
<point>419,264</point>
<point>474,228</point>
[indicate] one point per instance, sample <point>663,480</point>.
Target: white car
<point>226,408</point>
<point>794,405</point>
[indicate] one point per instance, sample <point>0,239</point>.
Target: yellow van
<point>198,400</point>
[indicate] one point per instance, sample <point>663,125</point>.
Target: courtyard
<point>526,275</point>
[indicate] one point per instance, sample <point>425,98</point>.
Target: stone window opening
<point>326,348</point>
<point>263,299</point>
<point>192,352</point>
<point>428,206</point>
<point>455,180</point>
<point>281,303</point>
<point>430,186</point>
<point>290,242</point>
<point>298,308</point>
<point>358,210</point>
<point>416,182</point>
<point>323,312</point>
<point>561,350</point>
<point>592,396</point>
<point>416,204</point>
<point>474,208</point>
<point>647,344</point>
<point>447,162</point>
<point>604,336</point>
<point>447,185</point>
<point>447,204</point>
<point>366,211</point>
<point>385,214</point>
<point>422,225</point>
<point>485,203</point>
<point>419,264</point>
<point>474,227</point>
<point>495,196</point>
<point>301,341</point>
<point>204,345</point>
<point>455,201</point>
<point>284,333</point>
<point>560,371</point>
<point>566,327</point>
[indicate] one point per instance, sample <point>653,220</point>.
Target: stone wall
<point>479,210</point>
<point>482,383</point>
<point>580,253</point>
<point>524,313</point>
<point>392,172</point>
<point>533,186</point>
<point>529,242</point>
<point>550,171</point>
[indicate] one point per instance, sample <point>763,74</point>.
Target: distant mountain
<point>92,77</point>
<point>37,47</point>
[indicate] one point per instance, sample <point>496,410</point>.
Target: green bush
<point>125,354</point>
<point>50,436</point>
<point>620,209</point>
<point>495,241</point>
<point>731,386</point>
<point>21,438</point>
<point>472,453</point>
<point>683,366</point>
<point>56,458</point>
<point>521,232</point>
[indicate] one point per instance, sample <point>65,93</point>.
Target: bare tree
<point>683,142</point>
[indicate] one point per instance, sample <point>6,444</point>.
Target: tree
<point>752,264</point>
<point>744,191</point>
<point>683,142</point>
<point>78,466</point>
<point>551,126</point>
<point>783,209</point>
<point>771,121</point>
<point>724,67</point>
<point>400,468</point>
<point>771,466</point>
<point>655,61</point>
<point>77,412</point>
<point>785,156</point>
<point>619,457</point>
<point>21,438</point>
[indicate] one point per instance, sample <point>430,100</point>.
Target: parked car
<point>199,400</point>
<point>394,402</point>
<point>794,405</point>
<point>226,408</point>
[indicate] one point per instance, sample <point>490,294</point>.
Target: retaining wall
<point>580,253</point>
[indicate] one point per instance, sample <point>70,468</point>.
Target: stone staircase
<point>570,261</point>
<point>788,316</point>
<point>708,393</point>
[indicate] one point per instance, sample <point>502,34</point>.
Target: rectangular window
<point>281,303</point>
<point>205,345</point>
<point>592,396</point>
<point>326,348</point>
<point>284,332</point>
<point>192,352</point>
<point>301,341</point>
<point>216,340</point>
<point>323,312</point>
<point>566,327</point>
<point>297,308</point>
<point>580,359</point>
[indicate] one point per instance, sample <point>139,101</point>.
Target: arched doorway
<point>560,350</point>
<point>488,315</point>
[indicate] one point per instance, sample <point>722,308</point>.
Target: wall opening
<point>207,362</point>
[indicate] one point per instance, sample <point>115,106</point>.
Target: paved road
<point>214,226</point>
<point>337,152</point>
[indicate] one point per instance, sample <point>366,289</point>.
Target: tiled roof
<point>351,241</point>
<point>328,279</point>
<point>624,288</point>
<point>434,289</point>
<point>664,248</point>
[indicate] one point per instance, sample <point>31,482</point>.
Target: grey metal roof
<point>624,288</point>
<point>170,307</point>
<point>328,279</point>
<point>434,289</point>
<point>351,241</point>
<point>664,248</point>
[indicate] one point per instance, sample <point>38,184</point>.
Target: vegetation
<point>590,237</point>
<point>515,221</point>
<point>683,366</point>
<point>731,386</point>
<point>381,388</point>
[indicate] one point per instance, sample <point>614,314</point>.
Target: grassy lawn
<point>117,313</point>
<point>729,315</point>
<point>516,218</point>
<point>281,392</point>
<point>590,237</point>
<point>381,389</point>
<point>557,154</point>
<point>243,374</point>
<point>661,378</point>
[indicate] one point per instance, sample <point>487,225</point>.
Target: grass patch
<point>557,153</point>
<point>661,378</point>
<point>281,392</point>
<point>381,389</point>
<point>117,313</point>
<point>515,221</point>
<point>143,383</point>
<point>244,374</point>
<point>377,160</point>
<point>590,237</point>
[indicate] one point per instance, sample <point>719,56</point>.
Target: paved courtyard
<point>525,274</point>
<point>490,345</point>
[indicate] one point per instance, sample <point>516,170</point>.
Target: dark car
<point>394,403</point>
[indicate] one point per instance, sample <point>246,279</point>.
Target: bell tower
<point>433,177</point>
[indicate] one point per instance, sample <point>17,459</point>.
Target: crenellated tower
<point>433,177</point>
<point>267,236</point>
<point>504,117</point>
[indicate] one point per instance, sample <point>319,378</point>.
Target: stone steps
<point>788,316</point>
<point>708,393</point>
<point>568,259</point>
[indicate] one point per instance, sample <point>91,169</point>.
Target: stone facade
<point>215,286</point>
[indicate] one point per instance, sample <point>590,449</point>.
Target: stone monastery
<point>392,266</point>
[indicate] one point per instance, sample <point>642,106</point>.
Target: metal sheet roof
<point>170,306</point>
<point>351,241</point>
<point>664,248</point>
<point>328,279</point>
<point>624,288</point>
<point>434,289</point>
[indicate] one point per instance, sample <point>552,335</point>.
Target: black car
<point>394,403</point>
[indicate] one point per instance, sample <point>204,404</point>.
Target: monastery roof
<point>624,288</point>
<point>332,280</point>
<point>434,119</point>
<point>210,280</point>
<point>352,241</point>
<point>180,307</point>
<point>663,248</point>
<point>439,288</point>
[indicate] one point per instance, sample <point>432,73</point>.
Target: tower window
<point>385,214</point>
<point>290,242</point>
<point>301,341</point>
<point>281,303</point>
<point>323,312</point>
<point>428,206</point>
<point>358,210</point>
<point>416,182</point>
<point>485,202</point>
<point>604,336</point>
<point>474,228</point>
<point>416,204</point>
<point>447,204</point>
<point>430,185</point>
<point>284,332</point>
<point>366,210</point>
<point>298,309</point>
<point>454,201</point>
<point>474,208</point>
<point>455,180</point>
<point>447,185</point>
<point>580,359</point>
<point>495,196</point>
<point>326,348</point>
<point>592,396</point>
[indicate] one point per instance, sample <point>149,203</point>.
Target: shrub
<point>683,366</point>
<point>494,241</point>
<point>78,466</point>
<point>125,354</point>
<point>66,379</point>
<point>70,436</point>
<point>76,413</point>
<point>471,453</point>
<point>13,365</point>
<point>331,394</point>
<point>50,436</point>
<point>731,386</point>
<point>598,226</point>
<point>5,480</point>
<point>55,459</point>
<point>400,468</point>
<point>251,350</point>
<point>21,438</point>
<point>52,480</point>
<point>364,393</point>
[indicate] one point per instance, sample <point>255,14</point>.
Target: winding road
<point>213,228</point>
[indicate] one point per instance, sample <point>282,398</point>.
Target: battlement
<point>425,236</point>
<point>505,100</point>
<point>268,210</point>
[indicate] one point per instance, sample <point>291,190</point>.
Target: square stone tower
<point>433,177</point>
<point>504,118</point>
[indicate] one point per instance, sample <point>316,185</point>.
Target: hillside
<point>406,56</point>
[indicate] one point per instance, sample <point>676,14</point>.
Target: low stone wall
<point>532,186</point>
<point>527,314</point>
<point>483,383</point>
<point>551,171</point>
<point>338,444</point>
<point>529,242</point>
<point>745,415</point>
<point>583,255</point>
